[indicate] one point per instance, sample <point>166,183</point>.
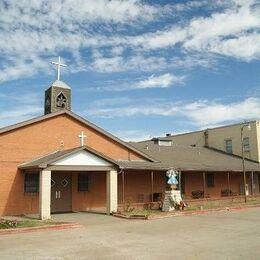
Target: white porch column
<point>111,180</point>
<point>45,195</point>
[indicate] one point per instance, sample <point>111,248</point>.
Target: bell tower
<point>58,95</point>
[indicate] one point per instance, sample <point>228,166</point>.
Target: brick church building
<point>60,162</point>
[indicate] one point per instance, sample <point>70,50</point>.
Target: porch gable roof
<point>62,157</point>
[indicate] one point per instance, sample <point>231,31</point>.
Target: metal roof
<point>184,158</point>
<point>189,158</point>
<point>59,84</point>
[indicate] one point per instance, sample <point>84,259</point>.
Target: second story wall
<point>226,138</point>
<point>222,137</point>
<point>258,139</point>
<point>193,138</point>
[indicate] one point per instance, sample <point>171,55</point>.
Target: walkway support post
<point>152,185</point>
<point>111,179</point>
<point>180,180</point>
<point>252,183</point>
<point>45,195</point>
<point>228,180</point>
<point>204,185</point>
<point>123,186</point>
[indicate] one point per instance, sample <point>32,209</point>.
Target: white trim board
<point>82,158</point>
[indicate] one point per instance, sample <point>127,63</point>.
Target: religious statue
<point>172,196</point>
<point>172,178</point>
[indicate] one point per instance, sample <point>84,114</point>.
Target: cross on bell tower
<point>58,95</point>
<point>59,65</point>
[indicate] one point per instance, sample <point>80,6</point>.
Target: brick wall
<point>139,183</point>
<point>194,181</point>
<point>38,139</point>
<point>95,198</point>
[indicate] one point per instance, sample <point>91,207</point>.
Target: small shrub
<point>128,208</point>
<point>148,206</point>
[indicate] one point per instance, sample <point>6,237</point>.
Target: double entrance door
<point>61,192</point>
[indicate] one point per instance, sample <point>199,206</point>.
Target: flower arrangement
<point>7,223</point>
<point>181,205</point>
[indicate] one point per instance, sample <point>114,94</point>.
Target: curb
<point>130,217</point>
<point>204,212</point>
<point>187,213</point>
<point>39,228</point>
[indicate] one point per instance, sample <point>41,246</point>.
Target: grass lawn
<point>141,212</point>
<point>196,206</point>
<point>223,203</point>
<point>7,224</point>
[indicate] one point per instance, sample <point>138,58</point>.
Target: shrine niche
<point>61,100</point>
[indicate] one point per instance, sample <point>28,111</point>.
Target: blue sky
<point>136,68</point>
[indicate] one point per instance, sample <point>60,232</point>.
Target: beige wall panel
<point>196,138</point>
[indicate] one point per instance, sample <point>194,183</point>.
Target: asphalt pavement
<point>226,235</point>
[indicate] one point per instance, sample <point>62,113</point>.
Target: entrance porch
<point>79,179</point>
<point>70,191</point>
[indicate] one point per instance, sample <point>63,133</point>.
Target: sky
<point>138,69</point>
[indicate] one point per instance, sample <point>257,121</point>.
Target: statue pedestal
<point>171,195</point>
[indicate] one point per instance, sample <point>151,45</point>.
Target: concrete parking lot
<point>229,235</point>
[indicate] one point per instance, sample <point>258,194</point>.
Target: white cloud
<point>208,113</point>
<point>159,39</point>
<point>233,32</point>
<point>192,61</point>
<point>137,62</point>
<point>64,12</point>
<point>22,107</point>
<point>32,33</point>
<point>126,111</point>
<point>200,113</point>
<point>41,29</point>
<point>20,68</point>
<point>28,98</point>
<point>162,81</point>
<point>135,135</point>
<point>166,80</point>
<point>117,51</point>
<point>230,22</point>
<point>114,64</point>
<point>111,102</point>
<point>226,32</point>
<point>244,47</point>
<point>19,114</point>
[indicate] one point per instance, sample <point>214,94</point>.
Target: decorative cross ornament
<point>81,137</point>
<point>59,64</point>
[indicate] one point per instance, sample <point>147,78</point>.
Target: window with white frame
<point>246,144</point>
<point>228,145</point>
